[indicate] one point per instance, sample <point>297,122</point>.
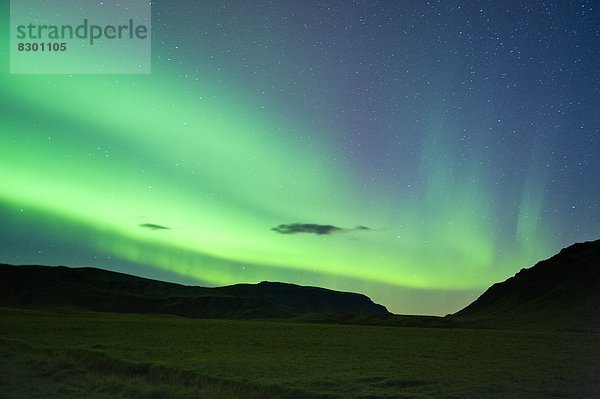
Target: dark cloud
<point>312,228</point>
<point>294,228</point>
<point>152,226</point>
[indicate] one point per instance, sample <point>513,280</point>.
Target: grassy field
<point>95,355</point>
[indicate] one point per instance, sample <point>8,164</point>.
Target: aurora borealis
<point>414,151</point>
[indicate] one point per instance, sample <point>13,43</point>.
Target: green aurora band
<point>108,155</point>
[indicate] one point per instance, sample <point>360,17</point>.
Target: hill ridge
<point>89,288</point>
<point>562,291</point>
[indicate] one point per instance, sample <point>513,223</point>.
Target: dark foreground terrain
<point>93,334</point>
<point>100,355</point>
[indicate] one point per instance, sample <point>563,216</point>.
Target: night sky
<point>414,151</point>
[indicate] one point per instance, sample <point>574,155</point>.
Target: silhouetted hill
<point>562,292</point>
<point>101,290</point>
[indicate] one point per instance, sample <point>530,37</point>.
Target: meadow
<point>90,355</point>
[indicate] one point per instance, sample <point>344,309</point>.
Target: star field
<point>413,151</point>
